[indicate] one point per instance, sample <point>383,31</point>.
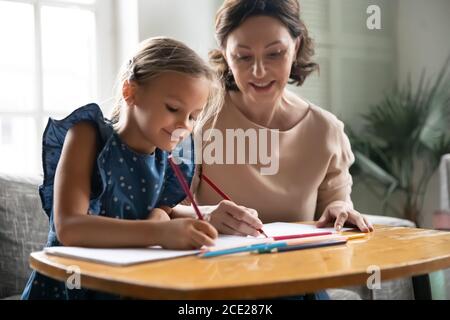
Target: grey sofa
<point>24,227</point>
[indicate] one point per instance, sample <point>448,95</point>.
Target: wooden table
<point>397,252</point>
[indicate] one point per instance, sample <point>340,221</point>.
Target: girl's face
<point>260,53</point>
<point>165,109</point>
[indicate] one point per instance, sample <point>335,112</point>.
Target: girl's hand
<point>182,233</point>
<point>342,213</point>
<point>229,218</point>
<point>158,214</point>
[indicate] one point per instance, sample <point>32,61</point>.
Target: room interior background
<point>60,54</point>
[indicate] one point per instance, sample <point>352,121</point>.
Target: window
<point>48,66</point>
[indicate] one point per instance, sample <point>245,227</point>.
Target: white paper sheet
<point>284,229</point>
<point>119,257</point>
<point>124,257</point>
<point>272,230</point>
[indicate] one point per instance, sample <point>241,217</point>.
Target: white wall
<point>189,21</point>
<point>423,42</point>
<point>423,36</point>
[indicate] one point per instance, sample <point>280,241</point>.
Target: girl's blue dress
<point>124,185</point>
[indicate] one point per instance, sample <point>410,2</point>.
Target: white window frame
<point>105,62</point>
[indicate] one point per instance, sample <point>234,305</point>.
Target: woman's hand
<point>230,218</point>
<point>181,234</point>
<point>341,214</point>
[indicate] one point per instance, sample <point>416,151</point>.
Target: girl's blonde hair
<point>161,54</point>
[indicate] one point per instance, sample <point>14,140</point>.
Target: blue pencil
<point>254,247</point>
<point>304,246</point>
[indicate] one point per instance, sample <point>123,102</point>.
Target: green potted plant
<point>401,142</point>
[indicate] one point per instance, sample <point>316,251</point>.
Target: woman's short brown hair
<point>233,13</point>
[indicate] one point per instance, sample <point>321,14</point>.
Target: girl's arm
<point>75,227</point>
<point>160,214</point>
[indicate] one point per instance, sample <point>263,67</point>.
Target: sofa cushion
<point>342,294</point>
<point>23,229</point>
<point>389,221</point>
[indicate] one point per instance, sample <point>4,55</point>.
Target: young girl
<point>108,183</point>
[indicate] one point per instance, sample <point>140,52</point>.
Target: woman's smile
<point>262,87</point>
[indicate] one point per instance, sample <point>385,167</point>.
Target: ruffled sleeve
<point>52,144</point>
<point>172,193</point>
<point>336,187</point>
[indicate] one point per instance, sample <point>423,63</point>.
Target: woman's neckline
<point>295,125</point>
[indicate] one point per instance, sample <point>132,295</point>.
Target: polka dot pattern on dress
<point>147,182</point>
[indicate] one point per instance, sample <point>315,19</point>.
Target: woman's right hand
<point>230,218</point>
<point>180,234</point>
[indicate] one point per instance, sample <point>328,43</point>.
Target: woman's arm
<point>333,196</point>
<point>75,227</point>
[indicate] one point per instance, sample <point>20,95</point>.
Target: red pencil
<point>305,235</point>
<point>223,194</point>
<point>185,186</point>
<point>216,188</point>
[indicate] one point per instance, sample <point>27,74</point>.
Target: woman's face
<point>260,53</point>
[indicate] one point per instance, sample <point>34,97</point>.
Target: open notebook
<point>130,256</point>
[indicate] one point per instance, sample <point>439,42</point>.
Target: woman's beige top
<point>314,157</point>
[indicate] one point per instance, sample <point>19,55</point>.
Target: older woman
<point>263,45</point>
